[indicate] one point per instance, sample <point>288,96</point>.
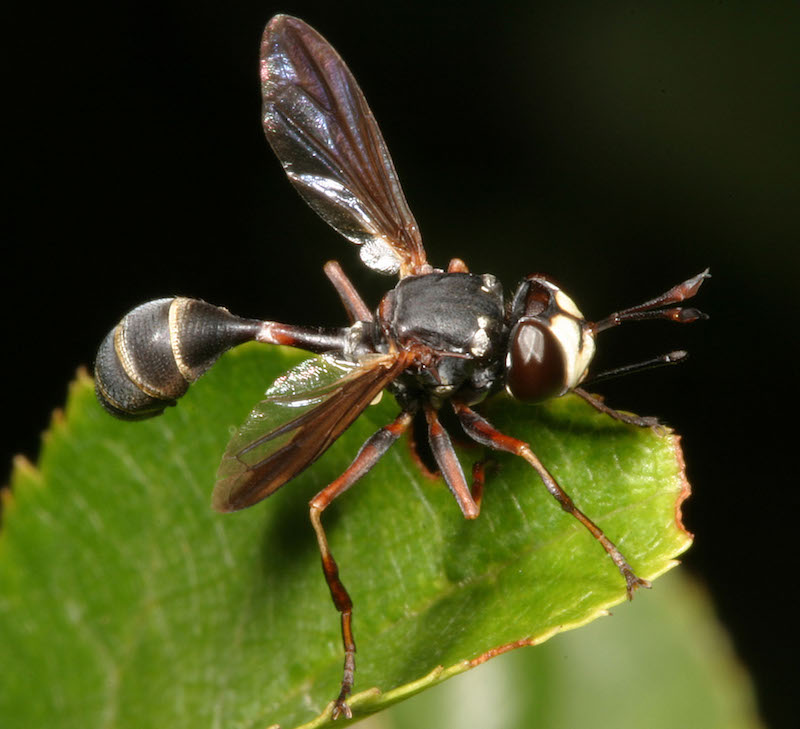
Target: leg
<point>456,265</point>
<point>653,309</point>
<point>367,457</point>
<point>357,310</point>
<point>413,449</point>
<point>481,431</point>
<point>478,480</point>
<point>598,404</point>
<point>319,339</point>
<point>446,458</point>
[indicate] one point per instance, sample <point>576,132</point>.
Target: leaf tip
<point>23,474</point>
<point>23,467</point>
<point>6,499</point>
<point>57,423</point>
<point>82,377</point>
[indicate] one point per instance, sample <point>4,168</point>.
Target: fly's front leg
<point>367,457</point>
<point>484,433</point>
<point>642,421</point>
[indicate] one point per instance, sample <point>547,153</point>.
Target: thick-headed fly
<point>438,339</point>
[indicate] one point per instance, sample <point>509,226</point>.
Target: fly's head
<point>550,345</point>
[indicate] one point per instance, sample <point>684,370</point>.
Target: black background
<point>619,147</point>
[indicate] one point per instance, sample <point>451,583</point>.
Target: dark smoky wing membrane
<point>322,130</point>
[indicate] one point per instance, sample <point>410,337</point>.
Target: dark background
<point>619,147</point>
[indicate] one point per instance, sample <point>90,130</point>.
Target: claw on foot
<point>341,709</point>
<point>632,582</point>
<point>658,428</point>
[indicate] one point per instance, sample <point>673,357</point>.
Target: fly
<point>441,338</point>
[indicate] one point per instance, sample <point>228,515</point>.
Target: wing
<point>319,125</point>
<point>304,411</point>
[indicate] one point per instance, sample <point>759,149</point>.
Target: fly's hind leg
<point>356,309</point>
<point>367,457</point>
<point>484,433</point>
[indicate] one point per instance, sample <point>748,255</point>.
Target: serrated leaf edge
<point>372,700</point>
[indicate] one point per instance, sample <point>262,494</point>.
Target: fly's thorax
<point>550,345</point>
<point>458,313</point>
<point>455,322</point>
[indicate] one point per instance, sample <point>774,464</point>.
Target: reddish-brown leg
<point>478,480</point>
<point>448,463</point>
<point>319,339</point>
<point>641,421</point>
<point>367,457</point>
<point>484,433</point>
<point>357,310</point>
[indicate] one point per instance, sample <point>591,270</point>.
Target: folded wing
<point>302,414</point>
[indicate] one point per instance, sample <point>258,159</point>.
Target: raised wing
<point>319,125</point>
<point>304,411</point>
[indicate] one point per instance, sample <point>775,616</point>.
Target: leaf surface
<point>125,601</point>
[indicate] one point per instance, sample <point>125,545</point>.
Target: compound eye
<point>535,367</point>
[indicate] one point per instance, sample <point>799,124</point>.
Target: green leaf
<point>667,663</point>
<point>126,601</point>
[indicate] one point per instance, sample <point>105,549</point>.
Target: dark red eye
<point>535,368</point>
